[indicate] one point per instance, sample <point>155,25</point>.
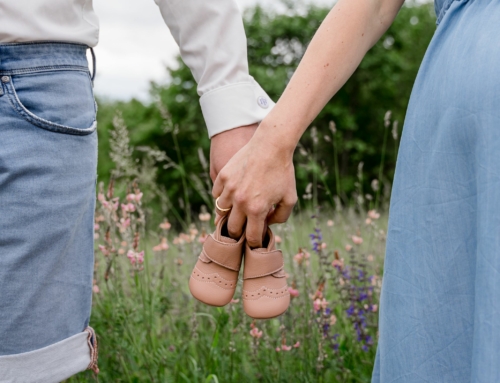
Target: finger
<point>282,211</point>
<point>236,222</point>
<point>255,230</point>
<point>218,187</point>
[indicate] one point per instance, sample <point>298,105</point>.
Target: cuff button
<point>263,102</point>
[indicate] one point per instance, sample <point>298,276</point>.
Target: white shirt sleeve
<point>213,45</point>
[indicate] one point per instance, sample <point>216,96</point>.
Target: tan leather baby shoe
<point>215,275</point>
<point>265,290</point>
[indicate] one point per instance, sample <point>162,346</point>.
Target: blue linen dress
<point>440,303</point>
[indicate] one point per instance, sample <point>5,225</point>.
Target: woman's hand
<point>258,183</point>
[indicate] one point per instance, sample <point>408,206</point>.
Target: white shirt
<point>209,33</point>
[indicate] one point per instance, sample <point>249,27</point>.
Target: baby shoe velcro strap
<point>260,264</point>
<point>227,255</point>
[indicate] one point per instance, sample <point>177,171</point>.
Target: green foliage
<point>276,42</point>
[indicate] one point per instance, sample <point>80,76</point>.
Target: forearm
<point>351,28</point>
<point>213,45</point>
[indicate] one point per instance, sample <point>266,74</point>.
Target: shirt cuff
<point>234,105</point>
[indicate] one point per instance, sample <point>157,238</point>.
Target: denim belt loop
<point>93,65</point>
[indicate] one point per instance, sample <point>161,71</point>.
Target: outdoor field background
<point>154,209</point>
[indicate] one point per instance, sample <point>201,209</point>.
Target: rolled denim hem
<point>53,363</point>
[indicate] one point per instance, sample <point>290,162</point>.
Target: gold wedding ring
<point>219,208</point>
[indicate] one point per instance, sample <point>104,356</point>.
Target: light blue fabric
<point>48,159</point>
<point>440,303</point>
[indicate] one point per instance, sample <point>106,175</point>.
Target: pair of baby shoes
<point>215,275</point>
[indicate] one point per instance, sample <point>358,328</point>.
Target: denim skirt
<point>440,303</point>
<point>48,159</point>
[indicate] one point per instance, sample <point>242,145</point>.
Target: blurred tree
<point>276,42</point>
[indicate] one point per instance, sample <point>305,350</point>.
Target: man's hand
<point>225,145</point>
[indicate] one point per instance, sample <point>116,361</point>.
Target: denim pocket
<point>61,101</point>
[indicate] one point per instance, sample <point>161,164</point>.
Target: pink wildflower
<point>370,258</point>
<point>162,246</point>
<point>104,250</point>
<point>296,345</point>
<point>319,304</point>
<point>204,217</point>
<point>165,225</point>
<point>338,263</point>
<point>278,349</point>
<point>333,320</point>
<point>293,292</point>
<point>95,289</point>
<point>348,247</point>
<point>373,214</point>
<point>301,256</point>
<point>284,347</point>
<point>323,245</point>
<point>374,308</point>
<point>277,239</point>
<point>96,226</point>
<point>203,237</point>
<point>233,301</point>
<point>368,221</point>
<point>329,223</point>
<point>135,257</point>
<point>255,333</point>
<point>134,197</point>
<point>128,207</point>
<point>357,240</point>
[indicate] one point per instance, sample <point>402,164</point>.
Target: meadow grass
<point>150,328</point>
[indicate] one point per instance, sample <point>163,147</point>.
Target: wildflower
<point>124,223</point>
<point>104,250</point>
<point>293,292</point>
<point>162,246</point>
<point>348,247</point>
<point>323,245</point>
<point>375,185</point>
<point>278,349</point>
<point>121,251</point>
<point>357,240</point>
<point>277,239</point>
<point>255,333</point>
<point>319,304</point>
<point>301,256</point>
<point>338,263</point>
<point>333,320</point>
<point>374,308</point>
<point>134,197</point>
<point>296,345</point>
<point>368,221</point>
<point>233,301</point>
<point>128,207</point>
<point>284,347</point>
<point>370,258</point>
<point>202,238</point>
<point>165,225</point>
<point>373,214</point>
<point>135,257</point>
<point>329,223</point>
<point>96,226</point>
<point>96,235</point>
<point>204,217</point>
<point>95,289</point>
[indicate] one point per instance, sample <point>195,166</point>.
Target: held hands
<point>225,145</point>
<point>258,184</point>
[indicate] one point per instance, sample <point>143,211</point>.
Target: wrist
<point>277,137</point>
